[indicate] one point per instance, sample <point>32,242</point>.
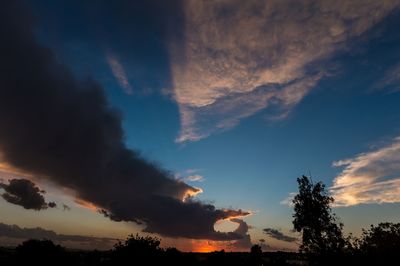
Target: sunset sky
<point>190,120</point>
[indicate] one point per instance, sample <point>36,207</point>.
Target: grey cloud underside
<point>25,193</point>
<point>63,129</point>
<point>243,230</point>
<point>276,234</point>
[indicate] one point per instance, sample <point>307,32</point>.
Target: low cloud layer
<point>16,232</point>
<point>25,193</point>
<point>276,234</point>
<point>241,57</point>
<point>371,177</point>
<point>56,127</point>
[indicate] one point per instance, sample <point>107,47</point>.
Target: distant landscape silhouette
<point>323,243</point>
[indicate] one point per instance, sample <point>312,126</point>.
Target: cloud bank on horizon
<point>18,233</point>
<point>59,128</point>
<point>242,57</point>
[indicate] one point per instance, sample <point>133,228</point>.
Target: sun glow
<point>204,248</point>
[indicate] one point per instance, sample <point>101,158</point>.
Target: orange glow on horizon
<point>201,245</point>
<point>204,248</point>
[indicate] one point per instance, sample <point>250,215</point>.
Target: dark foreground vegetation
<point>376,248</point>
<point>44,252</point>
<point>323,243</point>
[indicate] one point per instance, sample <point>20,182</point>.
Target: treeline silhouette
<point>323,243</point>
<point>135,250</point>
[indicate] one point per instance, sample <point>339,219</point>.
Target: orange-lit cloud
<point>10,171</point>
<point>190,193</point>
<point>200,245</point>
<point>371,177</point>
<point>86,204</point>
<point>272,56</point>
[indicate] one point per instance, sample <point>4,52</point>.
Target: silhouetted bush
<point>136,248</point>
<point>381,239</point>
<point>379,245</point>
<point>42,252</point>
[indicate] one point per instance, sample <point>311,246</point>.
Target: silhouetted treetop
<point>313,217</point>
<point>139,244</point>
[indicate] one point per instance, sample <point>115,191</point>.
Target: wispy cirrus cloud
<point>190,175</point>
<point>241,57</point>
<point>371,177</point>
<point>194,178</point>
<point>391,79</point>
<point>119,73</point>
<point>288,201</point>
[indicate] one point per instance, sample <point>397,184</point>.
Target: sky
<point>191,120</point>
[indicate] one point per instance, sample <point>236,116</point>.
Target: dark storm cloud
<point>52,204</point>
<point>60,128</point>
<point>14,231</point>
<point>243,230</point>
<point>25,193</point>
<point>274,233</point>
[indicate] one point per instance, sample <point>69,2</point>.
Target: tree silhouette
<point>313,217</point>
<point>136,247</point>
<point>256,255</point>
<point>256,250</point>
